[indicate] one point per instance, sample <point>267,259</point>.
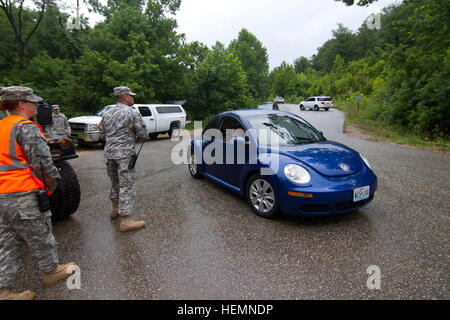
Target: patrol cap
<point>55,107</point>
<point>15,93</point>
<point>120,91</point>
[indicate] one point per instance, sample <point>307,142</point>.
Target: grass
<point>380,131</point>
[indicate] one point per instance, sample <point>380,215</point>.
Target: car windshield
<point>284,129</point>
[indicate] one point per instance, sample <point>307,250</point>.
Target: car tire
<point>193,167</point>
<point>316,108</point>
<point>173,128</point>
<point>261,197</point>
<point>65,200</point>
<point>326,109</point>
<point>153,135</point>
<point>302,107</point>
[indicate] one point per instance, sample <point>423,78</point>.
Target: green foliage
<point>254,61</point>
<point>402,69</point>
<point>220,85</point>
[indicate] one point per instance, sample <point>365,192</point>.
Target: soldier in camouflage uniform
<point>121,126</point>
<point>24,160</point>
<point>60,125</point>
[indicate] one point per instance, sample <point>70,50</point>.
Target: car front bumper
<point>87,137</point>
<point>324,201</point>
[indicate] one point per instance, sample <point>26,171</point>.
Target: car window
<point>169,110</point>
<point>324,99</point>
<point>230,127</point>
<point>145,111</point>
<point>212,128</point>
<point>284,129</point>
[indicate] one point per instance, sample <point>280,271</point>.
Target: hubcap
<point>193,166</point>
<point>262,195</point>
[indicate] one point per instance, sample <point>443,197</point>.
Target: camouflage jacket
<point>120,126</point>
<point>60,125</point>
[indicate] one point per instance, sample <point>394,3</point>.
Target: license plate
<point>361,193</point>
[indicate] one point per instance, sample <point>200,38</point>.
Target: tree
<point>343,43</point>
<point>359,3</point>
<point>302,64</point>
<point>283,80</point>
<point>254,60</point>
<point>23,22</point>
<point>220,84</point>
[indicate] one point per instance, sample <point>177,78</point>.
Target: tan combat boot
<point>114,213</point>
<point>126,224</point>
<point>62,272</point>
<point>6,294</point>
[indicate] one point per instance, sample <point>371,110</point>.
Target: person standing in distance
<point>121,126</point>
<point>60,125</point>
<point>25,161</point>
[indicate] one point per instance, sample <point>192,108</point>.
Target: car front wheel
<point>193,167</point>
<point>261,197</point>
<point>302,107</point>
<point>316,108</point>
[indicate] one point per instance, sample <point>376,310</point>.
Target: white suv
<point>317,103</point>
<point>279,100</point>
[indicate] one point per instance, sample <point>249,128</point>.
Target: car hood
<point>86,119</point>
<point>329,158</point>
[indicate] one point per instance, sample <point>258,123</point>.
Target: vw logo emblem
<point>344,167</point>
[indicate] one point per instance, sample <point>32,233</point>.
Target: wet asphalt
<point>204,242</point>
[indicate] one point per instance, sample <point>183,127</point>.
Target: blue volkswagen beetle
<point>281,163</point>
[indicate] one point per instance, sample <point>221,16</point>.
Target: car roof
<point>252,112</point>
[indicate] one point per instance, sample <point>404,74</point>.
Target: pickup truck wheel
<point>316,108</point>
<point>65,200</point>
<point>153,135</point>
<point>174,130</point>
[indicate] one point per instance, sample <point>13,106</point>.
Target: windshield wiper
<point>301,140</point>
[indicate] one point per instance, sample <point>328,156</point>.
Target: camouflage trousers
<point>123,190</point>
<point>22,222</point>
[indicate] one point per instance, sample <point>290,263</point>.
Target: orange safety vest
<point>15,173</point>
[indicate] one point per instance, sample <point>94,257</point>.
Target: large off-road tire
<point>65,199</point>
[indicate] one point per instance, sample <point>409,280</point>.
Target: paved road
<point>204,242</point>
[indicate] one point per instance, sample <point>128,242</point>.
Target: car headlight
<point>64,144</point>
<point>365,161</point>
<point>297,174</point>
<point>92,127</point>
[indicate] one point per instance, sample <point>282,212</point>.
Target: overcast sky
<point>288,29</point>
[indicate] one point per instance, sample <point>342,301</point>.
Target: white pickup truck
<point>157,118</point>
